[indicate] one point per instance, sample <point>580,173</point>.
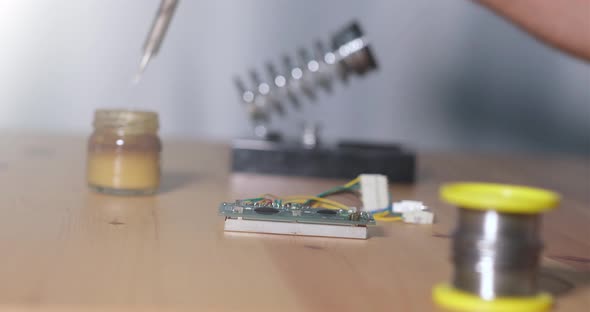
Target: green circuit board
<point>291,212</point>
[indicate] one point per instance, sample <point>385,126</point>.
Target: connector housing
<point>418,217</point>
<point>374,192</point>
<point>407,205</point>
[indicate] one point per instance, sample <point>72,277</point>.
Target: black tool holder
<point>349,54</point>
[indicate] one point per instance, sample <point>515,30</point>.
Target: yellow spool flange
<point>499,197</point>
<point>460,301</point>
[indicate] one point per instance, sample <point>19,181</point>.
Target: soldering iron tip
<point>137,78</point>
<point>142,66</point>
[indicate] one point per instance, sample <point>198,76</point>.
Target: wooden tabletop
<point>65,248</point>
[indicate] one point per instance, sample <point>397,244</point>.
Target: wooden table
<point>65,248</point>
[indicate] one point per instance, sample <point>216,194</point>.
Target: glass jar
<point>124,153</point>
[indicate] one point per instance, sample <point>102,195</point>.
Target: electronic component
<point>413,211</point>
<point>418,217</point>
<point>293,212</point>
<point>407,205</point>
<point>374,192</point>
<point>274,217</point>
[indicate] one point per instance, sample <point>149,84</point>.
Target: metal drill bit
<point>156,36</point>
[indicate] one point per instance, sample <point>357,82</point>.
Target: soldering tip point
<point>142,66</point>
<point>137,78</point>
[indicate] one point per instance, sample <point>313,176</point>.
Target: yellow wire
<point>300,199</point>
<point>383,216</point>
<point>353,182</point>
<point>327,201</point>
<point>332,204</point>
<point>304,198</point>
<point>325,205</point>
<point>318,199</point>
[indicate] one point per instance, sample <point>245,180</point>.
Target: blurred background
<point>452,75</point>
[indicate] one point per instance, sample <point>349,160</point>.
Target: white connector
<point>418,217</point>
<point>374,192</point>
<point>407,205</point>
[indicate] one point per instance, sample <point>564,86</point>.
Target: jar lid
<point>139,121</point>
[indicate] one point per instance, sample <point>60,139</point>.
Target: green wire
<point>336,190</point>
<point>339,189</point>
<point>331,191</point>
<point>253,199</point>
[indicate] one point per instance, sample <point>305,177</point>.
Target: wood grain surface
<point>65,248</point>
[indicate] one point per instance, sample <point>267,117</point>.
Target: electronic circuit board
<point>291,212</point>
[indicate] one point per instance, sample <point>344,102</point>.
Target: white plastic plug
<point>374,192</point>
<point>407,205</point>
<point>418,217</point>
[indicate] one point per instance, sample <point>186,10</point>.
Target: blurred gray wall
<point>452,75</point>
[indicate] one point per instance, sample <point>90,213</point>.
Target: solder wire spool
<point>496,248</point>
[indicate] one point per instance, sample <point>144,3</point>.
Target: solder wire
<point>496,254</point>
